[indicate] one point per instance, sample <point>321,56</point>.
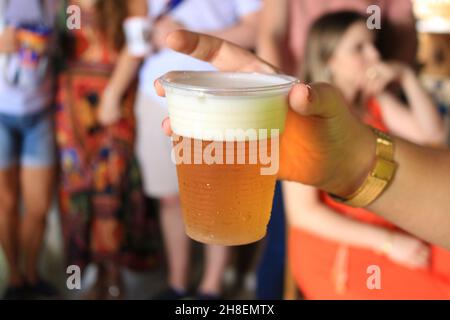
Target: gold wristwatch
<point>380,176</point>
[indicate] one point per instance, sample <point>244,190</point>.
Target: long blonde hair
<point>324,36</point>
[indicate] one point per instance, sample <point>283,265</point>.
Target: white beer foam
<point>214,106</point>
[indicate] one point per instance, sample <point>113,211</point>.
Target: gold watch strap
<point>380,176</point>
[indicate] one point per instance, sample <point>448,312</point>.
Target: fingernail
<point>310,93</point>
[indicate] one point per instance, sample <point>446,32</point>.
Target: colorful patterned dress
<point>101,200</point>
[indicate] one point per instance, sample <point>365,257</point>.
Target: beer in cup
<point>226,128</point>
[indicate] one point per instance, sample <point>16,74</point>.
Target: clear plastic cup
<point>226,128</point>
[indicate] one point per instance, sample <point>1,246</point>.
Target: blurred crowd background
<point>86,177</point>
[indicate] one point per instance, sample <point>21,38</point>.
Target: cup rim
<point>168,80</point>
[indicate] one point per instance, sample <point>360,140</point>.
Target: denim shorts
<point>27,140</point>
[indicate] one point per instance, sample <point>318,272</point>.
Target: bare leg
<point>37,188</point>
<point>9,222</point>
<point>176,242</point>
<point>215,264</point>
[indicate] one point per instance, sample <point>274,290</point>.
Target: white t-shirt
<point>196,15</point>
<point>15,100</point>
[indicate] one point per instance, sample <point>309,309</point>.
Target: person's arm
<point>273,31</point>
<point>420,122</point>
<point>244,33</point>
<point>305,210</point>
<point>336,151</point>
<point>137,8</point>
<point>418,197</point>
<point>8,40</point>
<point>124,73</point>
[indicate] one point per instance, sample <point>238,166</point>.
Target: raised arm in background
<point>419,121</point>
<point>273,31</point>
<point>124,73</point>
<point>8,40</point>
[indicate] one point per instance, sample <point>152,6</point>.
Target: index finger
<point>224,55</point>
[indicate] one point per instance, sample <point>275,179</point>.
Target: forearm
<point>418,198</point>
<point>326,223</point>
<point>243,34</point>
<point>127,65</point>
<point>336,153</point>
<point>124,73</point>
<point>8,40</point>
<point>269,49</point>
<point>423,108</point>
<point>273,31</point>
<point>3,46</point>
<point>305,210</point>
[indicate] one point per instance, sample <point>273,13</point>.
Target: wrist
<point>111,93</point>
<point>356,165</point>
<point>406,75</point>
<point>379,177</point>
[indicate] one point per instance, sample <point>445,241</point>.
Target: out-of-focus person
<point>27,152</point>
<point>103,215</point>
<point>236,21</point>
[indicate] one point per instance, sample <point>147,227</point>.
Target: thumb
<point>319,99</point>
